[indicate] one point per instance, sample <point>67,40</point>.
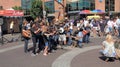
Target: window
<point>109,5</point>
<point>81,5</point>
<point>1,7</point>
<point>50,6</point>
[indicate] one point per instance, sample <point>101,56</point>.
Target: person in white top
<point>71,27</point>
<point>11,27</point>
<point>118,23</point>
<point>115,27</point>
<point>110,25</point>
<point>108,48</point>
<point>85,22</point>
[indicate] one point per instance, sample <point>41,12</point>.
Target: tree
<point>36,9</point>
<point>17,8</point>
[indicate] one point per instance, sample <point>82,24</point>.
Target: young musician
<point>26,35</point>
<point>45,34</point>
<point>36,32</point>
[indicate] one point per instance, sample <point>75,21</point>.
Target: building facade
<point>7,4</point>
<point>60,8</point>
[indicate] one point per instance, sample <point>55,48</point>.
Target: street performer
<point>26,35</point>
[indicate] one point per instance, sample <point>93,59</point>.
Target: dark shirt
<point>95,24</point>
<point>37,26</point>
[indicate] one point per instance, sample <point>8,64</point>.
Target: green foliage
<point>17,8</point>
<point>36,9</point>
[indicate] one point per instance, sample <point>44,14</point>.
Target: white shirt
<point>109,48</point>
<point>85,22</point>
<point>11,25</point>
<point>110,23</point>
<point>71,25</point>
<point>28,25</point>
<point>118,22</point>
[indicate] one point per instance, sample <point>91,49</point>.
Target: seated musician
<point>79,37</point>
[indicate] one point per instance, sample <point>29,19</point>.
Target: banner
<point>11,13</point>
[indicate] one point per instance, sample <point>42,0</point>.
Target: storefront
<point>9,16</point>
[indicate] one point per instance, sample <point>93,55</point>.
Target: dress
<point>109,50</point>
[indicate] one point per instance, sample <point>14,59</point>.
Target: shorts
<point>62,37</point>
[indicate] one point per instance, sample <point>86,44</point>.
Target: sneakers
<point>34,54</point>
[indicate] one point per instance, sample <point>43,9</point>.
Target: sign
<point>11,13</point>
<point>1,12</point>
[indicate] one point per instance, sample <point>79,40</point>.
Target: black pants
<point>11,31</point>
<point>34,44</point>
<point>36,39</point>
<point>119,31</point>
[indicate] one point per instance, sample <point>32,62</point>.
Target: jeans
<point>71,31</point>
<point>26,45</point>
<point>69,41</point>
<point>110,29</point>
<point>79,44</point>
<point>119,31</point>
<point>86,38</point>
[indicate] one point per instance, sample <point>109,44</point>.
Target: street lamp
<point>44,12</point>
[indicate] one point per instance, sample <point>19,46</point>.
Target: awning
<point>11,13</point>
<point>85,12</point>
<point>98,11</point>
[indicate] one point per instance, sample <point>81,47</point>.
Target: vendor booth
<point>11,16</point>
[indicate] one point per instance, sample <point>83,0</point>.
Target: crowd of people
<point>47,37</point>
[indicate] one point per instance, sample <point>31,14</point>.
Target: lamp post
<point>44,12</point>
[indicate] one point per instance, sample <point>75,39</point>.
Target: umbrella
<point>97,11</point>
<point>85,12</point>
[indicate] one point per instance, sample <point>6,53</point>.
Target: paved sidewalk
<point>66,59</point>
<point>12,55</point>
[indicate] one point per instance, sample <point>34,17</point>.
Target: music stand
<point>2,39</point>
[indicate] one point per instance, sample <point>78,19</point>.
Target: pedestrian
<point>62,36</point>
<point>12,27</point>
<point>108,48</point>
